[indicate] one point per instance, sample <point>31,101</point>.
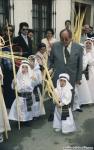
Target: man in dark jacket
<point>23,41</point>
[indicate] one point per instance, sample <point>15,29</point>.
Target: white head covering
<point>88,39</point>
<point>24,80</point>
<point>26,63</point>
<point>65,77</point>
<point>36,64</point>
<point>92,38</point>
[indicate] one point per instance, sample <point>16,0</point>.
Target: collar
<point>24,36</point>
<point>69,46</point>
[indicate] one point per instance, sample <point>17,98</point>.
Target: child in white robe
<point>38,106</point>
<point>25,86</point>
<point>83,94</point>
<point>90,58</point>
<point>63,118</point>
<point>4,122</point>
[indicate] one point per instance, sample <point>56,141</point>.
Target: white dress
<point>91,75</point>
<point>82,92</point>
<point>67,125</point>
<point>24,85</point>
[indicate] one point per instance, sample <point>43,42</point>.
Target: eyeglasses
<point>25,29</point>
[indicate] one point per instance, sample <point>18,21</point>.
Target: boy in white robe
<point>25,86</point>
<point>4,122</point>
<point>63,118</point>
<point>38,106</point>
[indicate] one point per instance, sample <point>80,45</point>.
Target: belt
<point>24,94</point>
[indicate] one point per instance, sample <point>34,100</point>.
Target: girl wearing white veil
<point>63,118</point>
<point>90,58</point>
<point>25,86</point>
<point>83,94</point>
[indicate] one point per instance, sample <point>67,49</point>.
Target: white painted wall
<point>22,12</point>
<point>63,13</point>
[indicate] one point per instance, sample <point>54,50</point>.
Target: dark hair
<point>67,21</point>
<point>30,30</point>
<point>51,30</point>
<point>6,28</point>
<point>41,45</point>
<point>21,26</point>
<point>91,27</point>
<point>69,32</point>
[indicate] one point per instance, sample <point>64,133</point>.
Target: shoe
<point>79,110</point>
<point>1,138</point>
<point>57,130</point>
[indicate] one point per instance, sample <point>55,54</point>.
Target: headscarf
<point>65,77</point>
<point>90,40</point>
<point>24,80</point>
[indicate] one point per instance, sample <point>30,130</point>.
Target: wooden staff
<point>14,72</point>
<point>3,113</point>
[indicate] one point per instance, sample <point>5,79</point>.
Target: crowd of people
<point>72,66</point>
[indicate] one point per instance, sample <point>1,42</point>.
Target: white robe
<point>4,122</point>
<point>67,125</point>
<point>23,85</point>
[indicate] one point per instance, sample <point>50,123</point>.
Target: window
<point>43,14</point>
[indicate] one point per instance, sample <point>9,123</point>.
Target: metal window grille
<point>43,16</point>
<point>4,12</point>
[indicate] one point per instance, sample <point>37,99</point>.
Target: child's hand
<point>33,78</point>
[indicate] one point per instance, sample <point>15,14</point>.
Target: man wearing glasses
<point>23,41</point>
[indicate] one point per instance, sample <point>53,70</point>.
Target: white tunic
<point>67,125</point>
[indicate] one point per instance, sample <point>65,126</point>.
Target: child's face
<point>24,69</point>
<point>32,63</point>
<point>43,50</point>
<point>62,82</point>
<point>88,45</point>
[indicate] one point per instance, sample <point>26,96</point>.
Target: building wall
<point>22,12</point>
<point>63,13</point>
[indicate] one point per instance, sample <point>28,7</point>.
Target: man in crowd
<point>66,57</point>
<point>23,40</point>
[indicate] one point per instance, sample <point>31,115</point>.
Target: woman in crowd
<point>49,40</point>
